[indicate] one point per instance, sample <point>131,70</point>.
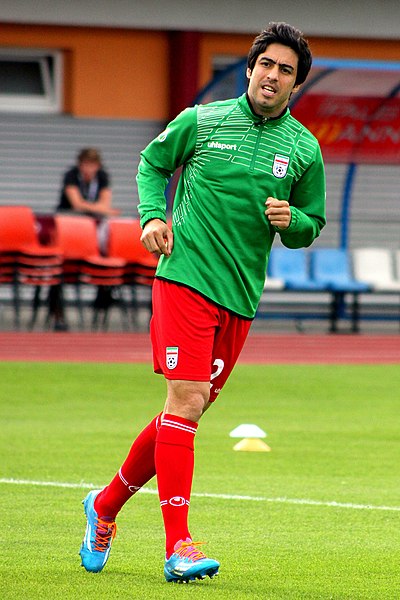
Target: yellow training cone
<point>252,445</point>
<point>251,441</point>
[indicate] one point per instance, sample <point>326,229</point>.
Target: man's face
<point>272,80</point>
<point>88,169</point>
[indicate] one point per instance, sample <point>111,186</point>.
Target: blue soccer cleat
<point>99,535</point>
<point>187,563</point>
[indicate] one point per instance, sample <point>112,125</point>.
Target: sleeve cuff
<point>154,214</point>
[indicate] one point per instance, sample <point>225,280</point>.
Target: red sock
<point>174,458</point>
<point>137,470</point>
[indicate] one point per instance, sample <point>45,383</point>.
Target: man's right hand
<point>157,237</point>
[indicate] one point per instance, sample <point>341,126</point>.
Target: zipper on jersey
<point>260,129</point>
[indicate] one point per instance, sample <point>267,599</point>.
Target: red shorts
<point>193,338</point>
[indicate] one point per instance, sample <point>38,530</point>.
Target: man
<point>86,186</point>
<point>250,170</point>
<point>85,190</point>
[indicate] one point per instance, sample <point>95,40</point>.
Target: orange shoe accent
<point>105,532</point>
<point>188,550</point>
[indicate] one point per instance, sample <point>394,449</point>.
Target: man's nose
<point>274,72</point>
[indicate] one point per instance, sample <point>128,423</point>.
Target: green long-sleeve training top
<point>232,161</point>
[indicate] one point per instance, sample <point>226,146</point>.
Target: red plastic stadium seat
<point>124,242</point>
<point>31,263</point>
<point>83,263</point>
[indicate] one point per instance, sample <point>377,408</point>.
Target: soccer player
<point>250,171</point>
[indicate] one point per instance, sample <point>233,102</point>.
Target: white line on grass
<point>234,497</point>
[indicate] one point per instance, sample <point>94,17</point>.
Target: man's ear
<point>248,72</point>
<point>296,88</point>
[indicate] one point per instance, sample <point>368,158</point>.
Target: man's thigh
<point>229,340</point>
<point>182,332</point>
<point>194,339</point>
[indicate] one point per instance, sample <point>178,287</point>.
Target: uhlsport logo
<point>280,166</point>
<point>178,501</point>
<point>221,146</point>
<point>171,356</point>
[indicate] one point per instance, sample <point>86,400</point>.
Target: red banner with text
<point>353,129</point>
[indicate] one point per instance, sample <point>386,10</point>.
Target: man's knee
<point>187,399</point>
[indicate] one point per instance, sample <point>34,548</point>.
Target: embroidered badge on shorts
<point>171,356</point>
<point>280,166</point>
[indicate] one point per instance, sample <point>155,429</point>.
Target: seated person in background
<point>86,187</point>
<point>85,190</point>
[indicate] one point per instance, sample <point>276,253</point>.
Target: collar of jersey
<point>257,119</point>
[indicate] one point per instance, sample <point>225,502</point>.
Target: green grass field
<point>270,518</point>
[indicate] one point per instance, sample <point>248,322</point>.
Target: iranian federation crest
<point>280,166</point>
<point>171,357</point>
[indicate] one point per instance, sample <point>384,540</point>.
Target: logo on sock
<point>171,357</point>
<point>178,501</point>
<point>175,501</point>
<point>131,488</point>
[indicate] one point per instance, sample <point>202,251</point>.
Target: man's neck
<point>264,116</point>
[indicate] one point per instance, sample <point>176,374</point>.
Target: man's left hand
<point>278,212</point>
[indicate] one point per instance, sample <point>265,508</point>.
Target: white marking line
<point>283,500</point>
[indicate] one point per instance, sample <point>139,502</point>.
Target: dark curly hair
<point>282,33</point>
